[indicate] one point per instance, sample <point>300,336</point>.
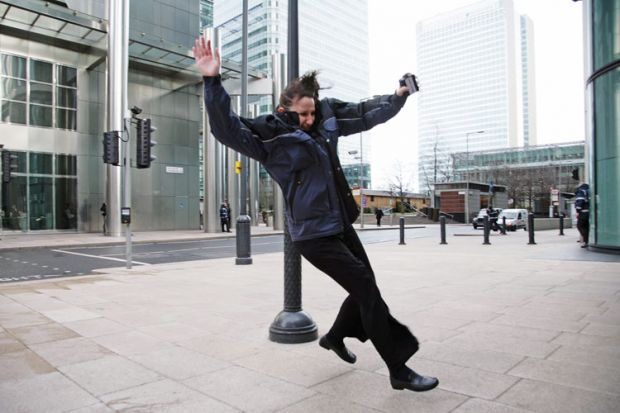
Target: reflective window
<point>14,66</point>
<point>66,194</point>
<point>67,76</point>
<point>66,165</point>
<point>14,206</point>
<point>13,112</point>
<point>66,97</point>
<point>66,119</point>
<point>14,89</point>
<point>41,115</point>
<point>41,191</point>
<point>41,71</point>
<point>36,87</point>
<point>40,163</point>
<point>41,93</point>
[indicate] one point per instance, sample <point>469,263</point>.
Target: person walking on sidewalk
<point>297,145</point>
<point>378,215</point>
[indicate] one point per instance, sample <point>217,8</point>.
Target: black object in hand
<point>409,80</point>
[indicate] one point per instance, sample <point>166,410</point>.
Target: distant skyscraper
<point>206,13</point>
<point>528,82</point>
<point>468,77</point>
<point>343,64</point>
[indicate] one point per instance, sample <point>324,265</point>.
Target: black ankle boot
<point>414,382</point>
<point>342,351</point>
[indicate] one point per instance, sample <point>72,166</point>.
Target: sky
<point>558,43</point>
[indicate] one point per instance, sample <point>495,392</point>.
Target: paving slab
<point>544,397</point>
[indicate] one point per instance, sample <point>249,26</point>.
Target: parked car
<point>515,219</point>
<point>478,220</point>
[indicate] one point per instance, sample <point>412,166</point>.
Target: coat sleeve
<point>225,124</point>
<point>359,117</point>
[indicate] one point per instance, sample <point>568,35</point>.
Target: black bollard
<point>402,231</point>
<point>561,225</point>
<point>487,230</point>
<point>244,254</point>
<point>442,227</point>
<point>292,325</point>
<point>530,228</point>
<point>503,228</point>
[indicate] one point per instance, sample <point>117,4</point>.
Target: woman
<point>297,145</point>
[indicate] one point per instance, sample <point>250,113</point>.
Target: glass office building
<point>467,69</point>
<point>53,112</point>
<point>343,64</point>
<point>602,47</point>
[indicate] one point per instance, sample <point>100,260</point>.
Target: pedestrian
<point>582,206</point>
<point>228,211</point>
<point>104,214</point>
<point>224,218</point>
<point>379,214</point>
<point>493,216</point>
<point>297,146</point>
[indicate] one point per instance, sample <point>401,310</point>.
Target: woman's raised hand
<point>207,62</point>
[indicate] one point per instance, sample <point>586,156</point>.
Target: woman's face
<point>304,107</point>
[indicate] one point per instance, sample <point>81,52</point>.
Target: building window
<point>37,93</point>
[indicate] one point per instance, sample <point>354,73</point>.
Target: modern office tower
<point>343,64</point>
<point>206,13</point>
<point>528,81</point>
<point>468,77</point>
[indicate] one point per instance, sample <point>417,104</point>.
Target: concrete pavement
<point>507,327</point>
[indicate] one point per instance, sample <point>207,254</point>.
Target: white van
<point>515,219</point>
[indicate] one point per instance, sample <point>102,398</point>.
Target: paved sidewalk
<point>507,327</point>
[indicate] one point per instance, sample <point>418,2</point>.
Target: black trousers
<point>583,225</point>
<point>363,314</point>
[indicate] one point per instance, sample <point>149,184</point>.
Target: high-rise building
<point>343,65</point>
<point>467,70</point>
<point>528,81</point>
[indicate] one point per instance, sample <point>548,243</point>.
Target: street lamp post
<point>467,173</point>
<point>354,152</point>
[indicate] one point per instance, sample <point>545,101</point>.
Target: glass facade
<point>466,64</point>
<point>37,93</point>
<point>604,130</point>
<point>42,193</point>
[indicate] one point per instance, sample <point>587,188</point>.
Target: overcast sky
<point>558,42</point>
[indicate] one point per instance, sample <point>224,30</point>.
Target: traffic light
<point>8,166</point>
<point>110,148</point>
<point>144,144</point>
<point>238,167</point>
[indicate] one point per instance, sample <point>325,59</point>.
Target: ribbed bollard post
<point>402,231</point>
<point>487,230</point>
<point>442,226</point>
<point>561,225</point>
<point>530,228</point>
<point>244,250</point>
<point>292,325</point>
<point>503,228</point>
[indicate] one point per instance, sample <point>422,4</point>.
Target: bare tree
<point>400,182</point>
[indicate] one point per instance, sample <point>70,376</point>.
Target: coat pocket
<point>309,197</point>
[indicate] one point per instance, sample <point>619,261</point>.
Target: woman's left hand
<point>402,91</point>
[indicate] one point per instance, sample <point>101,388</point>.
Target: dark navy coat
<point>304,164</point>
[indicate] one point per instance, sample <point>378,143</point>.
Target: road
<point>47,263</point>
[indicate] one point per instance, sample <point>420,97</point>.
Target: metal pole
<point>278,64</point>
<point>402,231</point>
<point>467,174</point>
<point>442,226</point>
<point>243,221</point>
<point>212,196</point>
<point>126,145</point>
<point>530,228</point>
<point>503,229</point>
<point>561,225</point>
<point>363,204</point>
<point>292,324</point>
<point>114,112</point>
<point>487,230</point>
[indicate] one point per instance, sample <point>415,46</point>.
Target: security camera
<point>136,110</point>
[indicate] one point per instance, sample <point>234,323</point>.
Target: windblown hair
<point>305,86</point>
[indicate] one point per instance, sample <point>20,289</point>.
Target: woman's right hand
<point>207,62</point>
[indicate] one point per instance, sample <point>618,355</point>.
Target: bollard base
<point>293,327</point>
<point>243,261</point>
